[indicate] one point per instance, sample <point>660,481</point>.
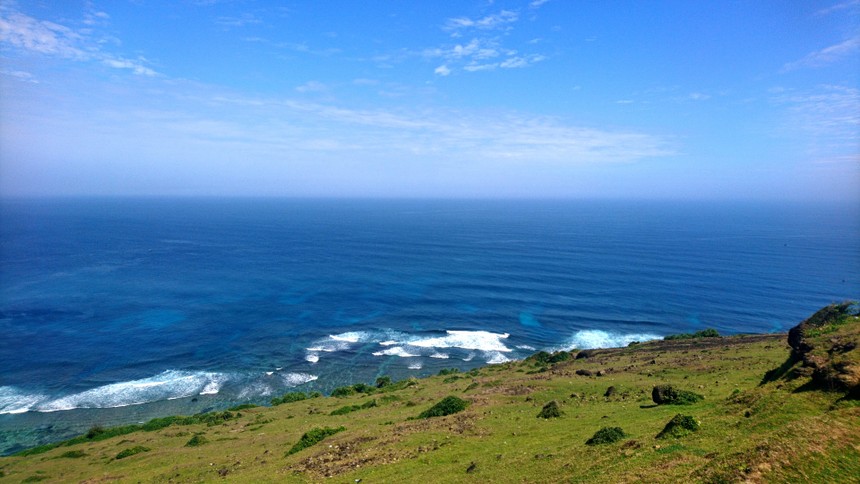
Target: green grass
<point>313,437</point>
<point>779,430</point>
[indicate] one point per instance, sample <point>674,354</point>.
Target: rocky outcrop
<point>826,344</point>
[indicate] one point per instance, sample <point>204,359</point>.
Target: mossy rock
<point>669,395</point>
<point>606,435</point>
<point>550,410</point>
<point>446,406</point>
<point>679,426</point>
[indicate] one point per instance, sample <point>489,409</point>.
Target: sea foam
<point>595,338</point>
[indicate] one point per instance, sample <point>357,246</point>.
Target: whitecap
<point>168,385</point>
<point>415,366</point>
<point>469,340</point>
<point>395,351</point>
<point>495,357</point>
<point>296,379</point>
<point>312,357</point>
<point>13,400</point>
<point>595,338</point>
<point>443,356</point>
<point>526,347</point>
<point>469,357</point>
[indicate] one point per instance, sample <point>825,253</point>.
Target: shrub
<point>606,435</point>
<point>363,388</point>
<point>550,410</point>
<point>446,406</point>
<point>669,395</point>
<point>313,437</point>
<point>244,406</point>
<point>448,371</point>
<point>132,451</point>
<point>705,333</point>
<point>198,439</point>
<point>343,392</point>
<point>383,381</point>
<point>679,426</point>
<point>289,397</point>
<point>73,454</point>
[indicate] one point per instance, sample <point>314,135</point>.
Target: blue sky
<point>557,98</point>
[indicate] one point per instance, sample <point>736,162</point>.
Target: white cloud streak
<point>42,37</point>
<point>825,56</point>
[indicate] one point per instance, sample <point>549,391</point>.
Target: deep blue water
<point>118,310</point>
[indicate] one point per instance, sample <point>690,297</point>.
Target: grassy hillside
<point>769,412</point>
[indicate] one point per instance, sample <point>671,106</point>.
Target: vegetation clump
<point>669,395</point>
<point>550,410</point>
<point>196,440</point>
<point>132,451</point>
<point>448,371</point>
<point>705,333</point>
<point>294,397</point>
<point>244,406</point>
<point>348,390</point>
<point>353,408</point>
<point>679,426</point>
<point>545,358</point>
<point>606,435</point>
<point>73,454</point>
<point>446,406</point>
<point>383,381</point>
<point>313,437</point>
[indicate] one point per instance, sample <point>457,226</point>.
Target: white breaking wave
<point>13,400</point>
<point>395,351</point>
<point>415,366</point>
<point>495,357</point>
<point>443,356</point>
<point>312,357</point>
<point>468,340</point>
<point>595,338</point>
<point>168,385</point>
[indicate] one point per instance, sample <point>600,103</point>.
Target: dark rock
<point>610,391</point>
<point>472,468</point>
<point>584,372</point>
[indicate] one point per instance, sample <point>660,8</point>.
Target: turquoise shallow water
<point>118,310</point>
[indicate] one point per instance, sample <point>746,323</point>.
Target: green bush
<point>342,392</point>
<point>606,435</point>
<point>679,426</point>
<point>448,371</point>
<point>669,395</point>
<point>550,410</point>
<point>313,437</point>
<point>705,333</point>
<point>73,454</point>
<point>244,406</point>
<point>132,451</point>
<point>197,440</point>
<point>288,398</point>
<point>446,406</point>
<point>383,381</point>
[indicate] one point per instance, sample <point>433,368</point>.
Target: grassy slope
<point>770,432</point>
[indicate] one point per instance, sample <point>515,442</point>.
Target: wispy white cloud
<point>20,75</point>
<point>442,70</point>
<point>825,56</point>
<point>537,3</point>
<point>242,20</point>
<point>846,5</point>
<point>826,119</point>
<point>39,36</point>
<point>312,86</point>
<point>51,39</point>
<point>500,20</point>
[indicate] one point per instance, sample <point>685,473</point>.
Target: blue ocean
<point>118,310</point>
